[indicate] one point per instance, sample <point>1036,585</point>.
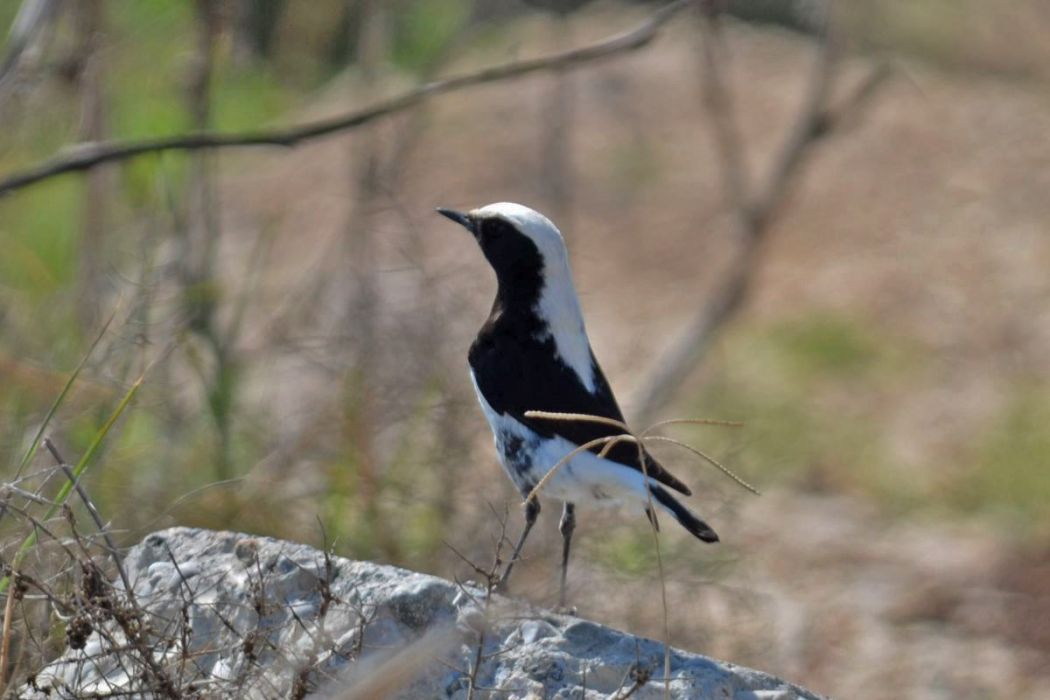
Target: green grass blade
<point>67,487</point>
<point>60,399</point>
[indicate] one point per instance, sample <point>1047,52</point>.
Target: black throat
<point>519,269</point>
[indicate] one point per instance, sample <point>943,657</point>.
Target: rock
<point>221,614</point>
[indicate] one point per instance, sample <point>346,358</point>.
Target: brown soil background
<point>927,218</point>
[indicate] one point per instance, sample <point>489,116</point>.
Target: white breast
<point>586,478</point>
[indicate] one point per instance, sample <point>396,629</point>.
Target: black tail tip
<point>701,530</point>
<point>707,535</point>
<point>696,527</point>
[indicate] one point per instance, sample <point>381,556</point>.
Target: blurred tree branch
<point>32,20</point>
<point>556,136</point>
<point>199,239</point>
<point>359,303</point>
<point>89,18</point>
<point>88,155</point>
<point>753,210</point>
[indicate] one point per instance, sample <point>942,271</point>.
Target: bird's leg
<point>532,511</point>
<point>566,526</point>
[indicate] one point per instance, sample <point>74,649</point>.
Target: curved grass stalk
<point>61,398</point>
<point>693,421</point>
<point>581,417</point>
<point>707,458</point>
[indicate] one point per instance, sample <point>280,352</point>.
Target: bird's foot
<point>569,610</point>
<point>501,584</point>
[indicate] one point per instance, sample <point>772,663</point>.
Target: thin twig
<point>641,675</point>
<point>472,679</point>
<point>92,510</point>
<point>462,557</point>
<point>88,155</point>
<point>8,490</point>
<point>132,625</point>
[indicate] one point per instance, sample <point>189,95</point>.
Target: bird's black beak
<point>464,220</point>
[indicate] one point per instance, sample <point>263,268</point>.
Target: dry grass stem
<point>707,458</point>
<point>5,642</point>
<point>610,441</point>
<point>693,421</point>
<point>607,443</point>
<point>581,417</point>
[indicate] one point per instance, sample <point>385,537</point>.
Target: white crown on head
<point>530,222</point>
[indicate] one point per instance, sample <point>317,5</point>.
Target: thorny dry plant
<point>67,588</point>
<point>72,592</point>
<point>59,590</point>
<point>490,576</point>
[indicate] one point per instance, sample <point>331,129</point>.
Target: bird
<point>532,354</point>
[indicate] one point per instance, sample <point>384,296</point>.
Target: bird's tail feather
<point>697,527</point>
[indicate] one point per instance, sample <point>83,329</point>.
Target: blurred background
<point>302,317</point>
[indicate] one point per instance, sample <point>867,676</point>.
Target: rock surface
<point>219,614</point>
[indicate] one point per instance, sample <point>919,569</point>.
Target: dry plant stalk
<point>5,642</point>
<point>607,443</point>
<point>610,441</point>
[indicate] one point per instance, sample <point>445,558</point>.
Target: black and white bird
<point>532,354</point>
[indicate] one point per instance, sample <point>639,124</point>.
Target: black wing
<point>517,373</point>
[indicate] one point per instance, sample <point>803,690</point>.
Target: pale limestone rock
<point>230,615</point>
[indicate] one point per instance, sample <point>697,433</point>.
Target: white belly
<point>587,478</point>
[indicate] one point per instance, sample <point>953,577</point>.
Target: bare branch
<point>753,212</point>
<point>88,155</point>
<point>32,19</point>
<point>718,101</point>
